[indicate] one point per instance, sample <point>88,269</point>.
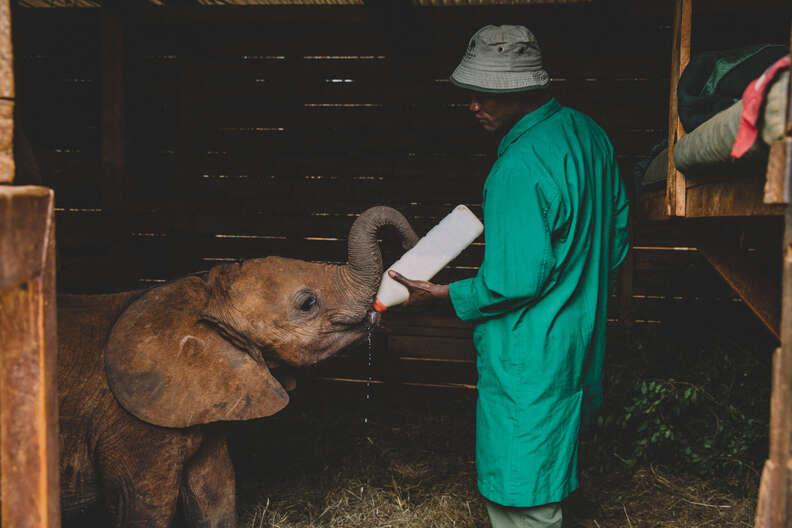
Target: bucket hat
<point>501,59</point>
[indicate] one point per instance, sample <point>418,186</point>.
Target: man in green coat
<point>555,225</point>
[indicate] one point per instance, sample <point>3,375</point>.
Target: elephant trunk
<point>365,259</point>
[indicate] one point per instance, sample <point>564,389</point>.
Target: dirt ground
<point>412,464</point>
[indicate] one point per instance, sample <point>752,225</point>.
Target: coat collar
<point>527,122</point>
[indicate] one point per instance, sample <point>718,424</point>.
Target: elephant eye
<point>308,303</point>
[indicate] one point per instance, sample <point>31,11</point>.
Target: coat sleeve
<point>620,236</point>
<point>518,255</point>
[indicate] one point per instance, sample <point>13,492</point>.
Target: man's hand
<point>421,292</point>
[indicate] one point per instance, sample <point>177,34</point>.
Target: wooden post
<point>6,95</point>
<point>29,485</point>
<point>774,508</point>
<point>624,292</point>
<point>680,56</point>
<point>190,137</point>
<point>774,492</point>
<point>28,393</point>
<point>113,179</point>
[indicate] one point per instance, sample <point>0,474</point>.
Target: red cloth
<point>752,100</point>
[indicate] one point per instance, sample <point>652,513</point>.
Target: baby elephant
<point>144,376</point>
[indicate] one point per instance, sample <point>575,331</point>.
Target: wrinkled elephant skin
<point>146,379</point>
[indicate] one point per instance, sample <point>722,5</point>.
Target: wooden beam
<point>756,285</point>
<point>113,183</point>
<point>190,137</point>
<point>680,56</point>
<point>28,394</point>
<point>743,196</point>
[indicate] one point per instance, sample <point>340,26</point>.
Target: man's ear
<point>169,367</point>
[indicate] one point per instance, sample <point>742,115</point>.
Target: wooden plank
<point>347,79</point>
<point>752,279</point>
<point>22,249</point>
<point>658,260</point>
<point>412,371</point>
<point>594,51</point>
<point>692,285</point>
<point>775,191</point>
<point>730,7</point>
<point>92,273</point>
<point>741,26</point>
<point>267,222</point>
<point>676,275</point>
<point>680,56</point>
<point>287,198</point>
<point>170,17</point>
<point>379,112</point>
<point>436,347</point>
<point>454,141</point>
<point>76,230</point>
<point>673,312</point>
<point>361,189</point>
<point>28,394</point>
<point>737,197</point>
<point>209,249</point>
<point>445,41</point>
<point>759,231</point>
<point>658,272</point>
<point>57,31</point>
<point>652,206</point>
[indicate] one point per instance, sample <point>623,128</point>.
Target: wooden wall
<point>257,131</point>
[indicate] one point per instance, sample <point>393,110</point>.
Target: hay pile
<point>318,465</point>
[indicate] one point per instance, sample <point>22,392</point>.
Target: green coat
<point>555,222</point>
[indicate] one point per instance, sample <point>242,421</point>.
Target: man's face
<point>495,113</point>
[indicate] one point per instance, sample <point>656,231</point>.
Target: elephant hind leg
<point>208,491</point>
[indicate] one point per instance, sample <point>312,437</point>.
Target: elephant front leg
<point>143,497</point>
<point>141,469</point>
<point>208,492</point>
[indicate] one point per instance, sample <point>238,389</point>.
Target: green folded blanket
<point>710,144</point>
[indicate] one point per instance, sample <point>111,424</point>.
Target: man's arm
<point>421,292</point>
<point>519,213</point>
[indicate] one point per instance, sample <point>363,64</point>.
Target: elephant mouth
<point>345,333</point>
<point>370,320</point>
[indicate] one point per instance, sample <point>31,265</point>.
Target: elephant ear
<point>168,367</point>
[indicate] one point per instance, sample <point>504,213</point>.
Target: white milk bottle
<point>437,248</point>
